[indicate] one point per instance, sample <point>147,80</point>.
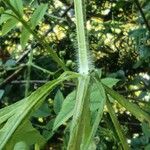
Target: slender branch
<point>31,81</point>
<point>42,69</point>
<point>29,64</point>
<point>12,76</point>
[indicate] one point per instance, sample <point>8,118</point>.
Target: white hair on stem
<point>84,59</point>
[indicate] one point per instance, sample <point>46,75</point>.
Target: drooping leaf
<point>133,108</point>
<point>58,100</point>
<point>38,15</point>
<point>9,25</point>
<point>18,5</point>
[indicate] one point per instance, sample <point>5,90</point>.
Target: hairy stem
<point>81,36</point>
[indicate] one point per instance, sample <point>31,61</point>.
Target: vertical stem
<point>79,129</point>
<point>81,36</point>
<point>27,86</point>
<point>77,126</point>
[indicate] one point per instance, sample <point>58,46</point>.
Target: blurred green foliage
<point>119,36</point>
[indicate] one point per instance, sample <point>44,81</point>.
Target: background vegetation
<point>119,37</point>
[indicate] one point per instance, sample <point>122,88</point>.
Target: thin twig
<point>11,77</point>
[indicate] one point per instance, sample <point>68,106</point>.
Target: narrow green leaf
<point>133,108</point>
<point>117,125</point>
<point>7,112</point>
<point>9,25</point>
<point>38,15</point>
<point>25,35</point>
<point>58,101</point>
<point>18,5</point>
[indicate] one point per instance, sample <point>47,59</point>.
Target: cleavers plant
<point>16,130</point>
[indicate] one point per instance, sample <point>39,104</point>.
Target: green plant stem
<point>77,126</point>
<point>117,125</point>
<point>39,39</point>
<point>81,36</point>
<point>27,86</point>
<point>42,69</point>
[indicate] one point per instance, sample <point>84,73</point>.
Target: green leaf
<point>25,35</point>
<point>110,82</point>
<point>5,17</point>
<point>1,93</point>
<point>58,101</point>
<point>95,97</point>
<point>21,146</point>
<point>68,105</point>
<point>117,125</point>
<point>26,133</point>
<point>133,108</point>
<point>100,105</point>
<point>48,132</point>
<point>2,10</point>
<point>35,19</point>
<point>9,25</point>
<point>18,5</point>
<point>29,105</point>
<point>146,129</point>
<point>66,111</point>
<point>43,111</point>
<point>147,147</point>
<point>38,15</point>
<point>7,112</point>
